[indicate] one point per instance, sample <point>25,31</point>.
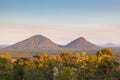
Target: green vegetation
<point>64,66</point>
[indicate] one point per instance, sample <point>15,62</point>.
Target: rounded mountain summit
<point>36,42</point>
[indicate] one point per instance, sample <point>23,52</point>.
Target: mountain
<point>3,45</point>
<point>37,42</point>
<point>82,44</point>
<point>41,44</point>
<point>110,45</point>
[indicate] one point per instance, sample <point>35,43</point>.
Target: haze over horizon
<point>62,21</point>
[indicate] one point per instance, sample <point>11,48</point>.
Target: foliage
<point>65,74</point>
<point>6,67</point>
<point>64,66</point>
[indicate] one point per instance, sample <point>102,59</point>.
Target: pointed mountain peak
<point>81,38</point>
<point>38,36</point>
<point>81,43</point>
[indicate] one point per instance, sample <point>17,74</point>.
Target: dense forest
<point>62,66</point>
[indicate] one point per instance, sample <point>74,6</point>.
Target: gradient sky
<point>60,20</point>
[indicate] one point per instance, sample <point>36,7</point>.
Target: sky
<point>60,20</point>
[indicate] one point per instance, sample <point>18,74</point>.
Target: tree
<point>105,51</point>
<point>66,57</point>
<point>106,63</point>
<point>6,69</point>
<point>65,74</point>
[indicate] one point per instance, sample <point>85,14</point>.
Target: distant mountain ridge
<point>39,43</point>
<point>110,45</point>
<point>3,45</point>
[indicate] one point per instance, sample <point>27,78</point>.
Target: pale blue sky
<point>60,20</point>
